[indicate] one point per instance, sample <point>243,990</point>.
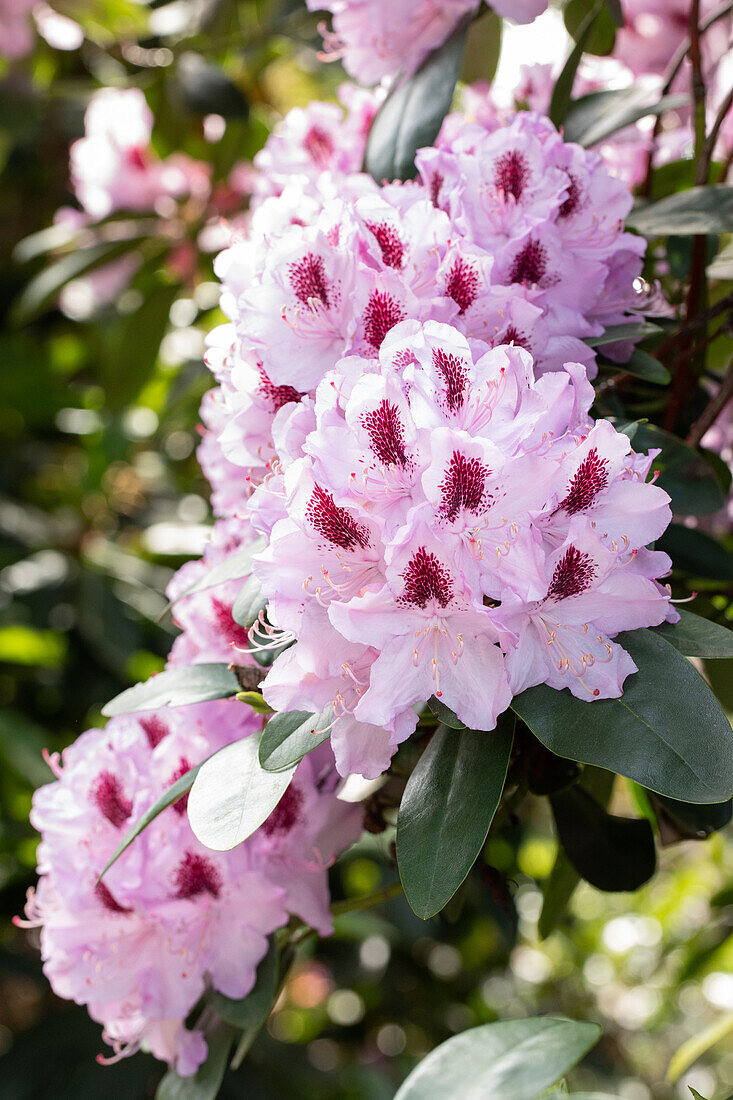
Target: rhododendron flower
<point>170,919</point>
<point>16,34</point>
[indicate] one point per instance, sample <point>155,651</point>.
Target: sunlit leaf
<point>699,1044</point>
<point>176,687</point>
<point>289,736</point>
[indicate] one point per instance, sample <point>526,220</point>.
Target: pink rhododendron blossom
<point>171,918</point>
<point>113,167</point>
<point>16,34</point>
<point>451,525</point>
<point>376,39</point>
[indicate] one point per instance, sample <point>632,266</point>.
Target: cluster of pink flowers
<point>170,919</point>
<point>405,380</point>
<point>376,39</point>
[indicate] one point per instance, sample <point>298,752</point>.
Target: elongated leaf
<point>602,34</point>
<point>483,48</point>
<point>144,330</point>
<point>614,7</point>
<point>513,1059</point>
<point>643,365</point>
<point>289,736</point>
<point>252,1010</point>
<point>599,115</point>
<point>699,1044</point>
<point>413,113</point>
<point>722,265</point>
<point>235,567</point>
<point>611,853</point>
<point>563,90</point>
<point>697,210</point>
<point>206,1082</point>
<point>683,473</point>
<point>666,731</point>
<point>233,795</point>
<point>685,821</point>
<point>446,810</point>
<point>698,637</point>
<point>42,290</point>
<point>633,330</point>
<point>175,791</point>
<point>695,553</point>
<point>176,687</point>
<point>445,714</point>
<point>248,603</point>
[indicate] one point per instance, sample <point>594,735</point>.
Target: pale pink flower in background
<point>16,31</point>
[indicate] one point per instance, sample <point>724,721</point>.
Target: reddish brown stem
<point>713,410</point>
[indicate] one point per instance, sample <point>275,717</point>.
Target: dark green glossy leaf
<point>666,731</point>
<point>177,790</point>
<point>289,736</point>
<point>446,810</point>
<point>445,714</point>
<point>513,1059</point>
<point>599,115</point>
<point>252,1010</point>
<point>206,1082</point>
<point>686,213</point>
<point>643,365</point>
<point>611,853</point>
<point>698,637</point>
<point>176,687</point>
<point>685,821</point>
<point>695,553</point>
<point>600,40</point>
<point>413,112</point>
<point>249,602</point>
<point>563,90</point>
<point>683,473</point>
<point>633,330</point>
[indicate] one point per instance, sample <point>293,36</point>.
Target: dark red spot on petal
<point>318,144</point>
<point>462,285</point>
<point>390,242</point>
<point>107,796</point>
<point>286,814</point>
<point>573,574</point>
<point>386,434</point>
<point>530,264</point>
<point>589,480</point>
<point>572,202</point>
<point>104,895</point>
<point>514,336</point>
<point>382,313</point>
<point>454,372</point>
<point>335,524</point>
<point>464,486</point>
<point>436,185</point>
<point>181,804</point>
<point>135,158</point>
<point>308,280</point>
<point>232,631</point>
<point>426,579</point>
<point>276,395</point>
<point>196,875</point>
<point>511,173</point>
<point>154,729</point>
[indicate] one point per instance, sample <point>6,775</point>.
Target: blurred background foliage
<point>101,499</point>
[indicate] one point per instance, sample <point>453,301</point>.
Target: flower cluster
<point>376,39</point>
<point>170,919</point>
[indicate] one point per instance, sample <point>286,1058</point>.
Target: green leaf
<point>254,699</point>
<point>446,810</point>
<point>602,35</point>
<point>233,795</point>
<point>686,821</point>
<point>142,330</point>
<point>611,853</point>
<point>616,11</point>
<point>699,1044</point>
<point>252,1010</point>
<point>683,473</point>
<point>445,714</point>
<point>599,115</point>
<point>698,637</point>
<point>695,553</point>
<point>513,1059</point>
<point>235,567</point>
<point>206,1082</point>
<point>633,330</point>
<point>248,603</point>
<point>698,210</point>
<point>205,90</point>
<point>697,1095</point>
<point>563,90</point>
<point>483,47</point>
<point>175,791</point>
<point>176,687</point>
<point>722,265</point>
<point>41,291</point>
<point>666,731</point>
<point>290,735</point>
<point>413,112</point>
<point>643,365</point>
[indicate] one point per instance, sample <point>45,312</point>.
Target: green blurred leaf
<point>136,348</point>
<point>666,731</point>
<point>686,213</point>
<point>233,795</point>
<point>413,112</point>
<point>206,1082</point>
<point>633,330</point>
<point>483,47</point>
<point>611,853</point>
<point>21,745</point>
<point>25,645</point>
<point>600,40</point>
<point>41,291</point>
<point>291,735</point>
<point>516,1059</point>
<point>698,1045</point>
<point>683,473</point>
<point>698,637</point>
<point>446,811</point>
<point>563,90</point>
<point>176,687</point>
<point>599,115</point>
<point>695,553</point>
<point>616,12</point>
<point>205,90</point>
